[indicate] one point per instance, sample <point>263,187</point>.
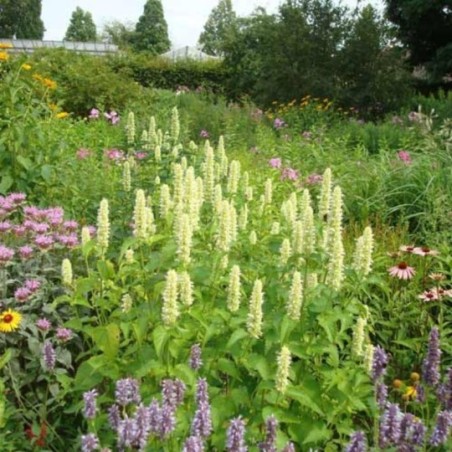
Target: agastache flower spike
<point>195,361</point>
<point>89,399</point>
<point>170,309</point>
<point>255,315</point>
<point>390,425</point>
<point>295,297</point>
<point>103,227</point>
<point>358,443</point>
<point>282,375</point>
<point>430,366</point>
<point>442,428</point>
<point>66,272</point>
<point>139,215</point>
<point>233,300</point>
<point>49,355</point>
<point>127,391</point>
<point>235,441</point>
<point>90,442</point>
<point>193,444</point>
<point>379,363</point>
<point>269,445</point>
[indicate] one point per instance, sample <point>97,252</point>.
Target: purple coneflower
<point>425,251</point>
<point>402,271</point>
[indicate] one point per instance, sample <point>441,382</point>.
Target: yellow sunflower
<point>9,321</point>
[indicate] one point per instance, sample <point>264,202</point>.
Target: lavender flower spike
<point>235,441</point>
<point>445,391</point>
<point>195,361</point>
<point>390,425</point>
<point>442,428</point>
<point>269,445</point>
<point>127,432</point>
<point>127,391</point>
<point>289,447</point>
<point>381,394</point>
<point>89,399</point>
<point>90,442</point>
<point>202,422</point>
<point>379,363</point>
<point>358,443</point>
<point>201,391</point>
<point>49,355</point>
<point>193,444</point>
<point>430,366</point>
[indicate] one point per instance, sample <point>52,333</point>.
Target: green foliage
<point>118,33</point>
<point>22,19</point>
<point>81,27</point>
<point>166,74</point>
<point>424,29</point>
<point>151,31</point>
<point>217,28</point>
<point>86,81</point>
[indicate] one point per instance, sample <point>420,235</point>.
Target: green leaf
<point>228,367</point>
<point>107,339</point>
<point>24,162</point>
<point>106,269</point>
<point>236,336</point>
<point>4,359</point>
<point>260,364</point>
<point>46,172</point>
<point>160,337</point>
<point>6,183</point>
<point>303,399</point>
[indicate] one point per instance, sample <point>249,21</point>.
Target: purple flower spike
<point>381,394</point>
<point>269,445</point>
<point>412,431</point>
<point>390,425</point>
<point>442,428</point>
<point>201,391</point>
<point>235,441</point>
<point>289,447</point>
<point>90,398</point>
<point>114,417</point>
<point>195,361</point>
<point>173,392</point>
<point>167,421</point>
<point>142,420</point>
<point>127,391</point>
<point>202,422</point>
<point>49,355</point>
<point>193,444</point>
<point>445,391</point>
<point>155,417</point>
<point>430,366</point>
<point>380,361</point>
<point>127,432</point>
<point>90,442</point>
<point>358,443</point>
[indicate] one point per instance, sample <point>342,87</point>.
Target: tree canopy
<point>219,24</point>
<point>81,27</point>
<point>151,31</point>
<point>425,29</point>
<point>21,19</point>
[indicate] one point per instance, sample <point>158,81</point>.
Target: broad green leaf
<point>107,339</point>
<point>303,398</point>
<point>160,337</point>
<point>4,359</point>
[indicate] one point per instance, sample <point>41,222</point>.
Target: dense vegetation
<point>178,272</point>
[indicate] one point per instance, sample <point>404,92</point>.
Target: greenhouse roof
<point>29,46</point>
<point>188,52</point>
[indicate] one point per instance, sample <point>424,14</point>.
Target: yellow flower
<point>4,56</point>
<point>62,115</point>
<point>48,83</point>
<point>410,393</point>
<point>9,321</point>
<point>26,67</point>
<point>53,107</point>
<point>5,45</point>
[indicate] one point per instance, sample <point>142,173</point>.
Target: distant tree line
<point>317,47</point>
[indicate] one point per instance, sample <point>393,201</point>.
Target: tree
<point>21,19</point>
<point>81,27</point>
<point>372,71</point>
<point>219,24</point>
<point>151,31</point>
<point>118,33</point>
<point>425,29</point>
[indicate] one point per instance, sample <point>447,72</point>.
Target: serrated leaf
<point>107,339</point>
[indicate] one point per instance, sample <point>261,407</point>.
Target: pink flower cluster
<point>114,154</point>
<point>286,173</point>
<point>405,157</point>
<point>30,287</point>
<point>41,229</point>
<point>112,117</point>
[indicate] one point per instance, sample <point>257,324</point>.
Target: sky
<point>185,18</point>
